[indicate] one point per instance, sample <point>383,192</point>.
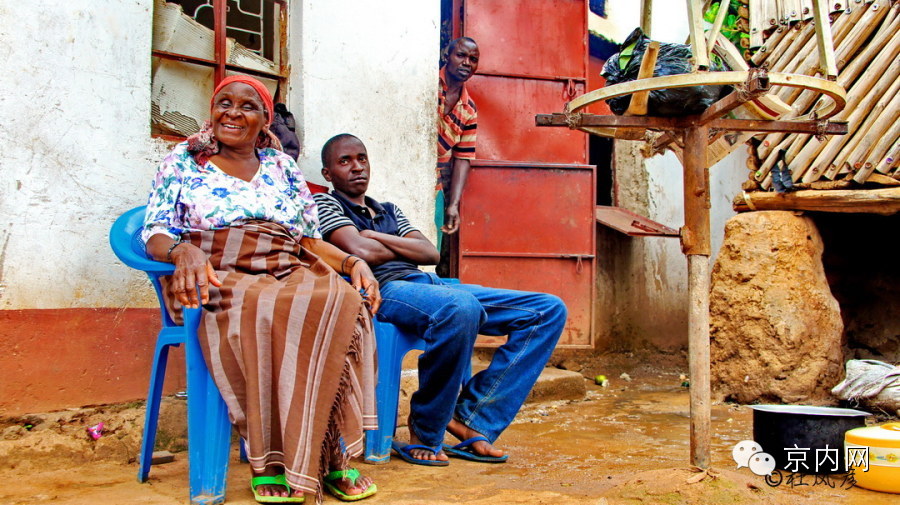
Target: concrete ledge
<point>50,440</point>
<point>556,384</point>
<point>552,385</point>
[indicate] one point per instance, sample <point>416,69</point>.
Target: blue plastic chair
<point>393,344</point>
<point>209,430</point>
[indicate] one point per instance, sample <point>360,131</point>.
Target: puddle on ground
<point>625,428</point>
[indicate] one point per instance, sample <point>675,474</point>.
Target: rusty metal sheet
<point>531,227</point>
<point>528,209</point>
<point>538,38</point>
<point>506,125</point>
<point>632,224</point>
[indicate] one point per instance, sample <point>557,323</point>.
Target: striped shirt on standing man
<point>456,132</point>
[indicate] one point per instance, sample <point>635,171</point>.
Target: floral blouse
<point>188,197</point>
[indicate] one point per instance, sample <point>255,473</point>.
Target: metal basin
<point>805,434</point>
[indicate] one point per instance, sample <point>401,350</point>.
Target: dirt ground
<point>624,444</point>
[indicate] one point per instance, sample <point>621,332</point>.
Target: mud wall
<point>775,328</point>
<point>796,295</point>
<point>74,123</point>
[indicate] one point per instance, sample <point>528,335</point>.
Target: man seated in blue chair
<point>448,316</point>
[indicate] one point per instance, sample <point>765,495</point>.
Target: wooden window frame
<point>220,9</point>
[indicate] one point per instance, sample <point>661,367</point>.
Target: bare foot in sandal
<point>481,447</point>
<point>277,490</point>
<point>422,453</point>
<point>352,485</point>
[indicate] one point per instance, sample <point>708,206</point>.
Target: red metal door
<point>534,57</point>
<point>531,227</point>
<point>527,215</point>
<point>506,129</point>
<point>536,38</point>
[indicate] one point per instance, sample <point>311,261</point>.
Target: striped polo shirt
<point>336,212</point>
<point>456,132</point>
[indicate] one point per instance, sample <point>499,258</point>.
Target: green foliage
<point>730,24</point>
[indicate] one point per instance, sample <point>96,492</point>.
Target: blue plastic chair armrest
<point>125,230</point>
<point>153,267</point>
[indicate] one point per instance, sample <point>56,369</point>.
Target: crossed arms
<point>378,248</point>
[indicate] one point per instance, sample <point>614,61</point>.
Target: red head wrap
<point>203,144</point>
<point>255,84</point>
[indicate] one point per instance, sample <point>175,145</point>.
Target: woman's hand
<point>192,271</point>
<point>362,279</point>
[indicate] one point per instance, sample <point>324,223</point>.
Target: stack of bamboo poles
<point>867,45</point>
<point>768,14</point>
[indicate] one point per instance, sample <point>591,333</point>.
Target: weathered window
<point>191,54</point>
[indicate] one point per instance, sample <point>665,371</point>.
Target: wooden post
<point>646,16</point>
<point>638,105</point>
<point>695,235</point>
<point>695,242</point>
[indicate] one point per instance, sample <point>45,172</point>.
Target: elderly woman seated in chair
<point>288,342</point>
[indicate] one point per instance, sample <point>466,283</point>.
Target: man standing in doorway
<point>457,126</point>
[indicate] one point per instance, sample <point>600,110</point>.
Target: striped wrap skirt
<point>290,345</point>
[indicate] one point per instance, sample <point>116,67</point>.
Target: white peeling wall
<point>370,69</point>
<point>668,22</point>
<point>74,123</point>
<point>666,202</point>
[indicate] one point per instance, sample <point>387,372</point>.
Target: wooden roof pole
<point>695,243</point>
<point>824,41</point>
<point>717,27</point>
<point>698,42</point>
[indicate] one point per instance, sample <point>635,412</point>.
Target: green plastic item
<point>625,56</point>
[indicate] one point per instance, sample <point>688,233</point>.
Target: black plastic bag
<point>673,59</point>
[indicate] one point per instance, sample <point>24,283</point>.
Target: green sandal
<point>353,475</point>
<point>277,480</point>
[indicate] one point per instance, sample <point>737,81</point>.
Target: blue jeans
<point>450,317</point>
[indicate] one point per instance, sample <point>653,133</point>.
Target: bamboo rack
<point>867,56</point>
